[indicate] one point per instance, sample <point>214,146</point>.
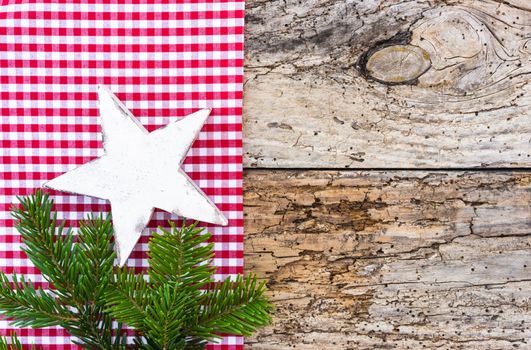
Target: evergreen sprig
<point>177,305</point>
<point>78,270</point>
<point>182,307</point>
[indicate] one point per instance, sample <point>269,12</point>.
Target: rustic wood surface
<point>392,260</point>
<point>387,84</point>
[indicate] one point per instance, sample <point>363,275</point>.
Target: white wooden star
<point>140,171</point>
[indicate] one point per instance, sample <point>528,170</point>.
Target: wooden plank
<point>392,260</point>
<point>380,84</point>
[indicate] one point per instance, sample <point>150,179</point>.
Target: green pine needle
<point>12,343</point>
<point>29,306</point>
<point>180,256</point>
<point>238,307</point>
<point>181,303</point>
<point>47,245</point>
<point>127,297</point>
<point>177,305</point>
<point>78,273</point>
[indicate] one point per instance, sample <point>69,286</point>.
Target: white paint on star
<point>140,171</point>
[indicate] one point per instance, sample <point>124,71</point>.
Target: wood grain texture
<point>380,84</point>
<point>392,260</point>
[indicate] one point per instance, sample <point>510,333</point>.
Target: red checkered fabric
<point>163,61</point>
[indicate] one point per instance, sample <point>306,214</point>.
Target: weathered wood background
<point>391,207</point>
<point>460,71</point>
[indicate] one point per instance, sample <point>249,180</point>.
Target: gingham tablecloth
<point>164,61</point>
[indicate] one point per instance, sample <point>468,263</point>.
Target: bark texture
<point>392,260</point>
<point>380,84</point>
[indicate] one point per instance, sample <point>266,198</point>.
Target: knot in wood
<point>397,64</point>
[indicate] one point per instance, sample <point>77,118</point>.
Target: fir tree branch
<point>96,256</point>
<point>168,313</point>
<point>29,306</point>
<point>180,256</point>
<point>79,271</point>
<point>97,253</point>
<point>127,298</point>
<point>48,247</point>
<point>95,330</point>
<point>172,310</point>
<point>238,307</point>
